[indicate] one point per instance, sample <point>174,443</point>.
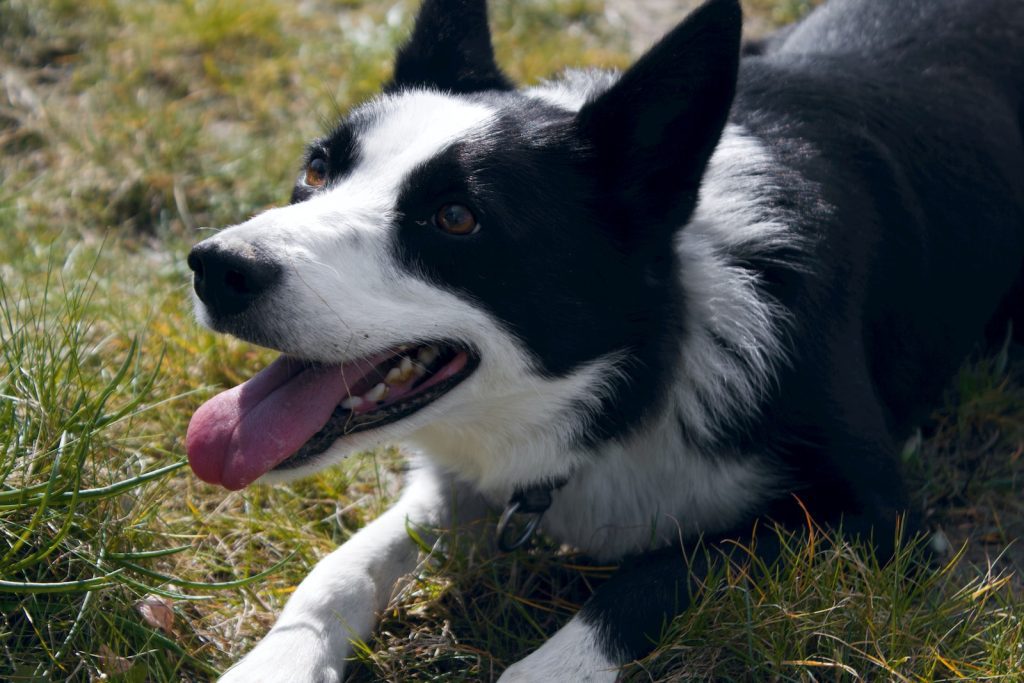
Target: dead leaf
<point>112,664</point>
<point>158,612</point>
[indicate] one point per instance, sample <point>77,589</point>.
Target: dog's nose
<point>229,278</point>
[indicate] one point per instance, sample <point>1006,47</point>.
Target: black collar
<point>527,505</point>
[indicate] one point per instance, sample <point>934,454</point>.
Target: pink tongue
<point>241,434</point>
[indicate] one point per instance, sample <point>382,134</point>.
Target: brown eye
<point>456,219</point>
<point>316,173</point>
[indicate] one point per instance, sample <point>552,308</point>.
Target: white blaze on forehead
<point>573,88</point>
<point>395,134</point>
<point>406,130</point>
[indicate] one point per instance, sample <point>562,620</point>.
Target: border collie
<point>632,309</point>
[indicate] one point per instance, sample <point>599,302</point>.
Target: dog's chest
<point>649,493</point>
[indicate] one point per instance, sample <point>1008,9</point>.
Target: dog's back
<point>950,30</point>
<point>921,102</point>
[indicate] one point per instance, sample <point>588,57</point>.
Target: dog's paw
<point>527,671</point>
<point>287,658</point>
<point>572,654</point>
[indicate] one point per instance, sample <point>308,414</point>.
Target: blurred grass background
<point>125,129</point>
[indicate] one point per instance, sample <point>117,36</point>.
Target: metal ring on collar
<point>504,544</point>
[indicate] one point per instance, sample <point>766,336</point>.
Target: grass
<point>124,128</point>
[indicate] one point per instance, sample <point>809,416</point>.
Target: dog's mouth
<point>294,410</point>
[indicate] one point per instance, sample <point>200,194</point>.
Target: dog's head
<point>466,264</point>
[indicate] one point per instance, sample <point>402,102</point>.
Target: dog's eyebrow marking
<point>341,150</point>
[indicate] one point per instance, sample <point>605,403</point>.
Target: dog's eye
<point>316,173</point>
<point>456,219</point>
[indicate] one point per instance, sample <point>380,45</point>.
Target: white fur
<point>731,221</point>
<point>339,601</point>
<point>572,654</point>
<point>573,88</point>
<point>649,491</point>
<point>404,131</point>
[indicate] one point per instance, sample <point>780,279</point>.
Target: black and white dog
<point>639,307</point>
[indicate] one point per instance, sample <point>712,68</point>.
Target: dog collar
<point>522,515</point>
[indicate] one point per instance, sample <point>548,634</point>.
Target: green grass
<point>127,126</point>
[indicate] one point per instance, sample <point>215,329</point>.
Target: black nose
<point>230,277</point>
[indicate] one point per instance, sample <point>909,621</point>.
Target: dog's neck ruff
<point>735,329</point>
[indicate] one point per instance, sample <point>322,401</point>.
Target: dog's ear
<point>450,49</point>
<point>655,129</point>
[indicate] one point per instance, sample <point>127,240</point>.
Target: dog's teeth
<point>352,402</point>
<point>427,355</point>
<point>394,376</point>
<point>405,367</point>
<point>377,394</point>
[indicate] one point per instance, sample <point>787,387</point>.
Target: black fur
<point>339,150</point>
<point>653,131</point>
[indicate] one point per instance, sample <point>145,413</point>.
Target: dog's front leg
<point>625,617</point>
<point>340,599</point>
